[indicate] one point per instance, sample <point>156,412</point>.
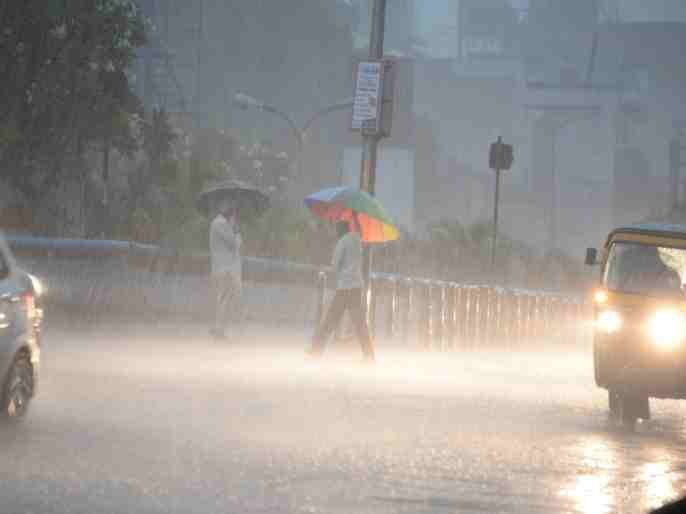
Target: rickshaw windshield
<point>645,269</point>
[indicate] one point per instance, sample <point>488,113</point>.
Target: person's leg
<point>354,306</point>
<point>331,321</point>
<point>233,313</point>
<point>224,293</point>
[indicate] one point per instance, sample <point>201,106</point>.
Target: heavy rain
<point>342,256</point>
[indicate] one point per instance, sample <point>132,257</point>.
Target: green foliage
<point>65,86</point>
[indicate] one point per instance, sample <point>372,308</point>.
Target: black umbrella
<point>248,199</point>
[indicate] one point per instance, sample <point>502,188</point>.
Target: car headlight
<point>667,328</point>
<point>37,285</point>
<point>609,322</point>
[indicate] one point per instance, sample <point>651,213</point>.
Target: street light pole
<point>496,206</point>
<point>370,143</point>
<point>245,101</point>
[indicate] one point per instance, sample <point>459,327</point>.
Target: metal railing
<point>449,316</point>
<point>100,277</point>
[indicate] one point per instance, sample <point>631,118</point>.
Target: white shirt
<point>225,247</point>
<point>347,262</point>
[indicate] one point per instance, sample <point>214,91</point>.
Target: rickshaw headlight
<point>667,328</point>
<point>609,322</point>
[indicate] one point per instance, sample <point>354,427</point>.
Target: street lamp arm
<point>339,106</point>
<point>296,131</point>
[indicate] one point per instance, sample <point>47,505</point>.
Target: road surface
<point>159,419</point>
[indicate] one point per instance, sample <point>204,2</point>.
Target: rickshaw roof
<point>652,229</point>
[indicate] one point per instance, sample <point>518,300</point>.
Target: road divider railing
<point>99,278</point>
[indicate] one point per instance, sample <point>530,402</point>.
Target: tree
<point>65,87</point>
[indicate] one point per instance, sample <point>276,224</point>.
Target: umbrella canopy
<point>356,207</point>
<point>244,196</point>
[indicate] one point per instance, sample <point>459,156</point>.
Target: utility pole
<point>496,205</point>
<point>495,218</point>
<point>370,142</point>
<point>676,164</point>
<point>500,157</point>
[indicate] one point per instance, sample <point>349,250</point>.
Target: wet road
<point>142,420</point>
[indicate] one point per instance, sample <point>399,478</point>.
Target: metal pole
<point>371,142</point>
<point>495,219</point>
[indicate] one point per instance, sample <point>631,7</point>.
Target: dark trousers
<point>344,300</point>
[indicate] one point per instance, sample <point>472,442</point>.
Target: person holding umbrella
<point>231,200</point>
<point>225,254</point>
<point>359,217</point>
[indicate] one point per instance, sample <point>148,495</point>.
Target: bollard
<point>409,309</point>
<point>454,315</point>
<point>393,308</point>
<point>498,318</point>
<point>490,320</point>
<point>446,332</point>
<point>539,328</point>
<point>482,327</point>
<point>467,330</point>
<point>516,319</point>
<point>427,325</point>
<point>433,308</point>
<point>463,315</point>
<point>504,325</point>
<point>521,319</point>
<point>533,328</point>
<point>422,303</point>
<point>441,316</point>
<point>388,290</point>
<point>473,322</point>
<point>476,317</point>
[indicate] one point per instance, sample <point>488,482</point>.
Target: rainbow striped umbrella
<point>358,208</point>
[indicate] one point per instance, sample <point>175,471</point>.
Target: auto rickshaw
<point>639,346</point>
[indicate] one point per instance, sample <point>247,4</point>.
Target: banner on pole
<point>368,99</point>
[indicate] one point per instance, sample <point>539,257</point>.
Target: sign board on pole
<point>368,97</point>
<point>500,156</point>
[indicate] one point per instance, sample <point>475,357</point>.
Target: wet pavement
<point>161,419</point>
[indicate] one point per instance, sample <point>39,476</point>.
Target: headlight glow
<point>609,322</point>
<point>600,297</point>
<point>38,288</point>
<point>667,328</point>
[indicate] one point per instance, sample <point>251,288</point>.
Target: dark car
<point>20,324</point>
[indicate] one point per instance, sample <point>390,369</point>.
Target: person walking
<point>225,251</point>
<point>347,264</point>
